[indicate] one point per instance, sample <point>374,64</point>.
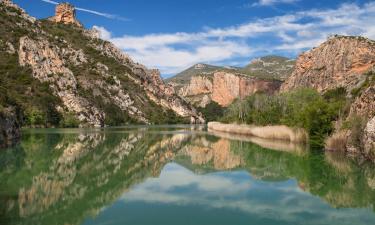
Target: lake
<point>178,175</point>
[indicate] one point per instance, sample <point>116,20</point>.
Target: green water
<point>177,175</point>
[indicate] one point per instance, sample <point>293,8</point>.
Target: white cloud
<point>237,191</point>
<point>104,33</point>
<point>288,34</point>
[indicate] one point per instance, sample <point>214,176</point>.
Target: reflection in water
<point>116,176</point>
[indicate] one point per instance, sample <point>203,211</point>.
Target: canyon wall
<point>94,81</point>
<point>339,62</point>
<point>224,87</point>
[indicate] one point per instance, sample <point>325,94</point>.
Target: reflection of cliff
<point>68,177</point>
<point>219,153</point>
<point>336,179</point>
<point>87,172</point>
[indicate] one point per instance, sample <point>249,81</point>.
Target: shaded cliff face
<point>9,127</point>
<point>95,82</point>
<point>224,87</point>
<point>339,62</point>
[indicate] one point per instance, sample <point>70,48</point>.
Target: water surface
<point>177,175</point>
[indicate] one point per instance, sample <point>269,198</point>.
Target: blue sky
<point>174,34</point>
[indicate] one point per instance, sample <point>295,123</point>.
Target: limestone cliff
<point>229,86</point>
<point>339,62</point>
<point>94,81</point>
<point>224,87</point>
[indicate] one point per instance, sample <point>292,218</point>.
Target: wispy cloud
<point>288,34</point>
<point>272,2</point>
<point>106,15</point>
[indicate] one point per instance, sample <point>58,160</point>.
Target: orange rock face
<point>65,13</point>
<point>227,87</point>
<point>339,62</point>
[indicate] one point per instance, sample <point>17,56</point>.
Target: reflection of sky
<point>221,197</point>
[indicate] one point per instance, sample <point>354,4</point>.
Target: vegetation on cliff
<point>61,75</point>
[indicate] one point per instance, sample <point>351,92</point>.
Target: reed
<point>268,132</point>
<point>337,142</point>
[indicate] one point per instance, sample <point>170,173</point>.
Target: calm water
<point>177,175</point>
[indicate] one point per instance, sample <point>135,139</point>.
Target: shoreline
<point>280,132</point>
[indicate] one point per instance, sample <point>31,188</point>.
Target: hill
<point>57,73</point>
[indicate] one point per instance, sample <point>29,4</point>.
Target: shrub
<point>69,121</point>
<point>212,112</point>
<point>34,117</point>
<point>303,108</point>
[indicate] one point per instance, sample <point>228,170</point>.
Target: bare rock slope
<point>339,62</point>
<point>94,81</point>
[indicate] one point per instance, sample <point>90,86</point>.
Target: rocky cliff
<point>93,82</point>
<point>229,86</point>
<point>202,83</point>
<point>341,61</point>
<point>271,67</point>
<point>224,87</point>
<point>65,13</point>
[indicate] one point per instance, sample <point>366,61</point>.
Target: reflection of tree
<point>64,178</point>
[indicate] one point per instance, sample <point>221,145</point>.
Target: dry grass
<point>268,132</point>
<point>337,142</point>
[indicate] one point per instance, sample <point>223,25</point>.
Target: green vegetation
<point>304,108</point>
<point>212,112</point>
<point>270,67</point>
<point>18,88</point>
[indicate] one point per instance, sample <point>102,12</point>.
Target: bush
<point>212,112</point>
<point>303,108</point>
<point>69,121</point>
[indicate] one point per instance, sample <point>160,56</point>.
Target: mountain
<point>271,67</point>
<point>184,77</point>
<point>343,63</point>
<point>224,87</point>
<point>202,83</point>
<point>54,72</point>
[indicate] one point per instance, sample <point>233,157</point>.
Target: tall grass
<point>337,142</point>
<point>268,132</point>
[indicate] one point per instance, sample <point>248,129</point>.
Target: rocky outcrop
<point>369,139</point>
<point>48,65</point>
<point>339,62</point>
<point>227,87</point>
<point>224,87</point>
<point>150,80</point>
<point>198,91</point>
<point>364,104</point>
<point>272,67</point>
<point>9,127</point>
<point>65,13</point>
<point>94,80</point>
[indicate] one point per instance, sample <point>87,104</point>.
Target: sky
<point>172,35</point>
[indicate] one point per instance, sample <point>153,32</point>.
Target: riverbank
<point>281,132</point>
